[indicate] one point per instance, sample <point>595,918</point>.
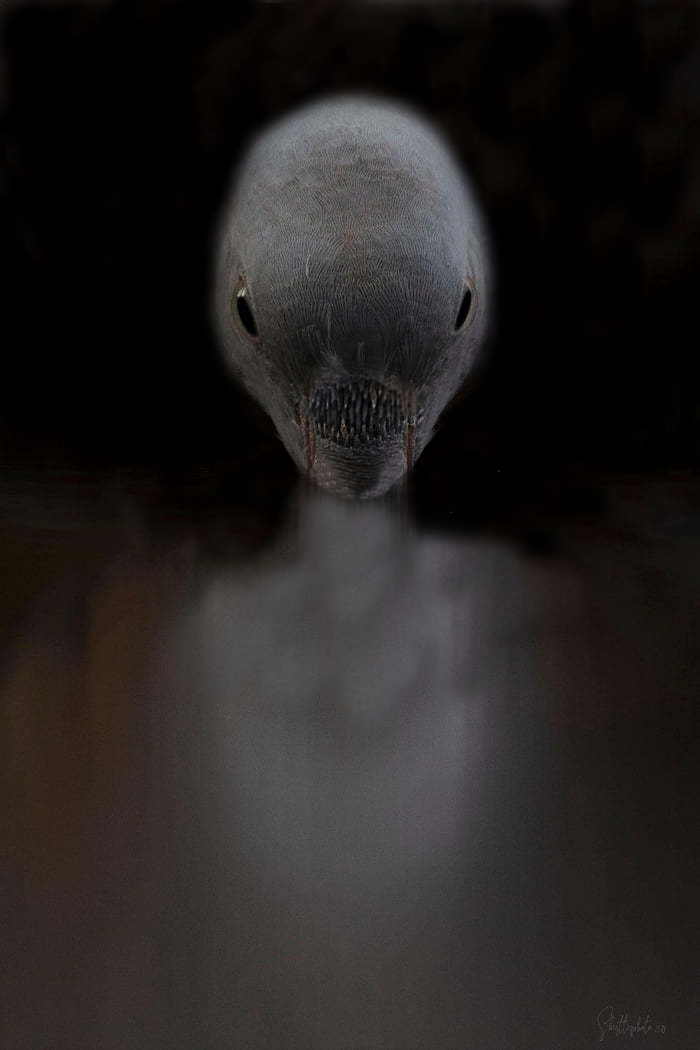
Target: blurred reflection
<point>355,685</point>
<point>371,788</point>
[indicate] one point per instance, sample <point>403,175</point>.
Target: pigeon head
<point>351,287</point>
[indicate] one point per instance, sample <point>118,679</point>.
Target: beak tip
<point>359,474</point>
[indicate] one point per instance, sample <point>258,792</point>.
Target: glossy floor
<point>367,788</point>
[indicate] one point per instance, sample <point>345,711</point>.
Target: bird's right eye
<point>245,312</point>
<point>464,308</point>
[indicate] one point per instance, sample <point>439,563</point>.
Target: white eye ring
<point>465,307</point>
<point>244,312</point>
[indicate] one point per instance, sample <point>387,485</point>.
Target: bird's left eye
<point>464,308</point>
<point>245,312</point>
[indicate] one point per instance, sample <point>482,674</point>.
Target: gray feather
<point>352,234</point>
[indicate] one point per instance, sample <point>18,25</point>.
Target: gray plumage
<point>351,286</point>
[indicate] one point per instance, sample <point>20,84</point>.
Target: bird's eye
<point>245,313</point>
<point>464,308</point>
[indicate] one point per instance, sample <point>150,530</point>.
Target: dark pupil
<point>246,315</point>
<point>464,308</point>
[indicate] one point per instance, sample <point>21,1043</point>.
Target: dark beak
<point>359,474</point>
<point>359,436</point>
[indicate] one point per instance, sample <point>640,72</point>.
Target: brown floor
<point>367,788</point>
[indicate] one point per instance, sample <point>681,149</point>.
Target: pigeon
<point>351,286</point>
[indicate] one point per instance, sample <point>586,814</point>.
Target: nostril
<point>358,412</point>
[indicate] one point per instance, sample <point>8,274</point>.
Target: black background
<point>579,124</point>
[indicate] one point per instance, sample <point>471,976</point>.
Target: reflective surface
<point>369,787</point>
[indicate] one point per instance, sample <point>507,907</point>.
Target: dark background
<point>376,787</point>
<point>578,123</point>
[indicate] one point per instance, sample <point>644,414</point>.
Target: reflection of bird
<point>351,287</point>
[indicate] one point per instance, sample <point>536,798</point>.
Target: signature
<point>610,1023</point>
